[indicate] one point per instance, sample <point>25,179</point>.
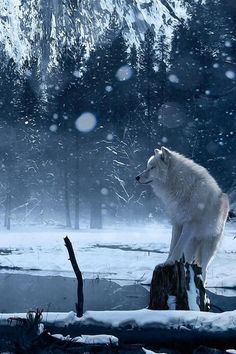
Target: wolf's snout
<point>137,178</point>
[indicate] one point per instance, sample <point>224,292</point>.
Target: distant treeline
<point>141,98</point>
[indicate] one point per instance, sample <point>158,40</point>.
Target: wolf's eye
<point>151,168</point>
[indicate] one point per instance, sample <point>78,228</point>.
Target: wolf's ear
<point>157,151</point>
<point>165,154</point>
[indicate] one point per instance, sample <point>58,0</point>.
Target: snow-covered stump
<point>178,287</point>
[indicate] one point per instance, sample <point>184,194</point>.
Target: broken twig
<point>80,295</point>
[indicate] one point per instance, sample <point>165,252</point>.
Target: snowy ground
<point>127,256</point>
<point>144,318</point>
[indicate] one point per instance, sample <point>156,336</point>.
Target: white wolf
<point>195,203</point>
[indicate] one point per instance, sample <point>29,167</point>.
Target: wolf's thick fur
<point>195,203</point>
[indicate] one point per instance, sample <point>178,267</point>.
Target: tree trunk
<point>96,209</point>
<point>77,191</point>
<point>66,196</point>
<point>7,220</point>
<point>178,287</point>
<point>77,225</point>
<point>96,215</point>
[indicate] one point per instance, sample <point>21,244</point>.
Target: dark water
<point>21,292</point>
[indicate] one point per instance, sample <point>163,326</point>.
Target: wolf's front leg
<point>176,232</point>
<point>186,244</point>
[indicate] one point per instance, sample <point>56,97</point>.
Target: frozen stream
<point>34,261</point>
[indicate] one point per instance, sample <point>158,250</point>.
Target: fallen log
<point>179,330</point>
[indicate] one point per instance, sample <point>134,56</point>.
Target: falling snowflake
<point>228,44</point>
<point>108,88</point>
<point>173,78</point>
<point>53,128</point>
<point>124,73</point>
<point>77,74</point>
<point>109,136</point>
<point>86,122</point>
<point>230,74</point>
<point>164,139</point>
<point>104,191</point>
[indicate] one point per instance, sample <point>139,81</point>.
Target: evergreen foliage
<point>142,98</point>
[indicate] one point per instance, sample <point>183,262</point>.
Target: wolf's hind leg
<point>207,252</point>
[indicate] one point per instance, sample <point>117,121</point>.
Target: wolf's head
<point>157,167</point>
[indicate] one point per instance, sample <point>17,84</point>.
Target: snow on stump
<point>178,287</point>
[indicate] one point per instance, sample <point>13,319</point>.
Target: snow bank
<point>202,321</point>
<point>147,351</point>
<point>148,318</point>
<point>126,260</point>
<point>88,339</point>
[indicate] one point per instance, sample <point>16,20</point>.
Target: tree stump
<point>178,287</point>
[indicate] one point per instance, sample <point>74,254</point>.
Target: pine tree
<point>147,87</point>
<point>147,73</point>
<point>199,62</point>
